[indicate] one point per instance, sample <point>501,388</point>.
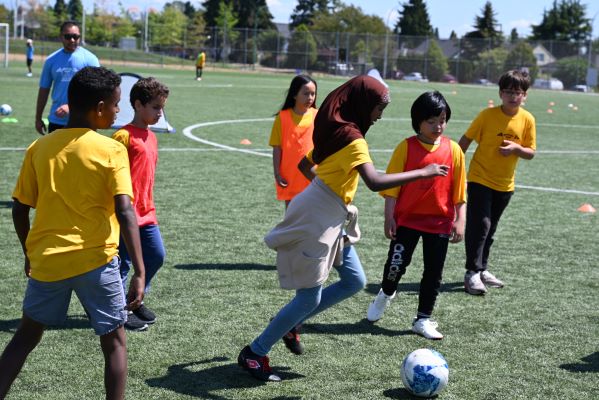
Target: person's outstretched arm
<point>130,233</point>
<point>377,182</point>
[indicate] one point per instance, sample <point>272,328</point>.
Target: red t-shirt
<point>142,147</point>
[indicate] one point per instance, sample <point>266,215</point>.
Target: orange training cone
<point>586,208</point>
<point>245,141</point>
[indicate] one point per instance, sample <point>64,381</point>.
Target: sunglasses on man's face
<point>71,36</point>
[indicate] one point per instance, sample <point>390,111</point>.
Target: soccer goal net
<point>4,28</point>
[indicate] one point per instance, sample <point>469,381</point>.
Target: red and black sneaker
<point>256,365</point>
<point>292,341</point>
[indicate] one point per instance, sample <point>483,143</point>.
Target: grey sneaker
<point>427,328</point>
<point>473,283</point>
<point>376,309</point>
<point>490,280</point>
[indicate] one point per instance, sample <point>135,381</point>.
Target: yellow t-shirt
<point>397,164</point>
<point>489,129</point>
<point>302,121</point>
<point>71,177</point>
<point>338,171</point>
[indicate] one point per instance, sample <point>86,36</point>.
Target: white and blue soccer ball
<point>5,109</point>
<point>424,372</point>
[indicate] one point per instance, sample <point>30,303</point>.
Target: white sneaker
<point>427,328</point>
<point>490,280</point>
<point>376,309</point>
<point>473,283</point>
<point>29,74</point>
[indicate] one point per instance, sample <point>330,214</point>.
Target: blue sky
<point>446,15</point>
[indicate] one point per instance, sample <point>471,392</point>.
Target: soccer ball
<point>5,109</point>
<point>424,372</point>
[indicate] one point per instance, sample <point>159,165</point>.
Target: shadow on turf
<point>226,267</point>
<point>361,327</point>
<point>589,363</point>
<point>193,380</point>
<point>373,288</point>
<point>401,394</point>
<point>72,322</point>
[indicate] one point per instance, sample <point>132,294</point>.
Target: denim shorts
<point>100,291</point>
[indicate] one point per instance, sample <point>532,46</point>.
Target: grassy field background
<point>535,339</point>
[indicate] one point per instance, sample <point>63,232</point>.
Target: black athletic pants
<point>434,249</point>
<point>483,211</point>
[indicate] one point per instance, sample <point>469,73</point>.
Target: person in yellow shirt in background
<point>504,134</point>
<point>200,63</point>
<point>79,184</point>
<point>291,137</point>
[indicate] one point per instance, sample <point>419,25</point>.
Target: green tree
<point>168,27</point>
<point>485,36</point>
<point>42,19</point>
<point>226,21</point>
<point>521,56</point>
<point>571,71</point>
<point>305,11</point>
<point>75,10</point>
<point>349,19</point>
<point>60,10</point>
<point>566,21</point>
<point>436,62</point>
<point>301,52</point>
<point>270,43</point>
<point>514,36</point>
<point>490,63</point>
<point>253,14</point>
<point>196,36</point>
<point>414,20</point>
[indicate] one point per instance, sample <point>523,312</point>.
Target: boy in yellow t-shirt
<point>79,183</point>
<point>200,62</point>
<point>504,134</point>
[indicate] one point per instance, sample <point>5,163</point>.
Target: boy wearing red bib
<point>433,209</point>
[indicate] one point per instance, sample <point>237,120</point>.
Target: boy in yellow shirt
<point>504,134</point>
<point>79,183</point>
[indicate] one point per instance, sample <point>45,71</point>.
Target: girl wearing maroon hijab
<point>320,225</point>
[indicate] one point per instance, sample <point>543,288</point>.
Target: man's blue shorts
<point>100,291</point>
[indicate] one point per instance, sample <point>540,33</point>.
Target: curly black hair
<point>91,85</point>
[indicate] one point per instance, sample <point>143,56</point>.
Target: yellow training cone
<point>586,208</point>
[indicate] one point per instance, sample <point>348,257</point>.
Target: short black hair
<point>67,24</point>
<point>514,79</point>
<point>91,85</point>
<point>147,89</point>
<point>427,105</point>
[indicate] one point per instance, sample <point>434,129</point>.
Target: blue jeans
<point>309,302</point>
<point>152,250</point>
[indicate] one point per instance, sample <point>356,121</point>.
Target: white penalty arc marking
<point>187,132</point>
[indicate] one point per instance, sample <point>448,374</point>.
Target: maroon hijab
<point>344,116</point>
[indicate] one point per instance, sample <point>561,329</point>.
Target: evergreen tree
<point>306,10</point>
<point>514,36</point>
<point>414,20</point>
<point>564,21</point>
<point>75,10</point>
<point>211,8</point>
<point>60,10</point>
<point>253,14</point>
<point>485,36</point>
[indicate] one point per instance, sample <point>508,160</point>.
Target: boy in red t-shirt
<point>148,97</point>
<point>433,209</point>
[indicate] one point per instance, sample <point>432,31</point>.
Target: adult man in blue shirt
<point>57,72</point>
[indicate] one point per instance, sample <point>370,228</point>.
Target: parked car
<point>448,78</point>
<point>552,84</point>
<point>415,76</point>
<point>580,88</point>
<point>483,81</point>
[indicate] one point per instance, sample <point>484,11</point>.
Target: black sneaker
<point>257,366</point>
<point>145,314</point>
<point>292,341</point>
<point>134,323</point>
